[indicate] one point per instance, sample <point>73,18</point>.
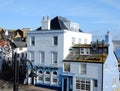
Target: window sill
<point>83,73</point>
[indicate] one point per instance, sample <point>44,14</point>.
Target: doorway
<point>65,84</point>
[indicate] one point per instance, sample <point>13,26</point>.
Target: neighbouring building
<point>48,45</point>
<point>91,67</point>
<point>12,41</point>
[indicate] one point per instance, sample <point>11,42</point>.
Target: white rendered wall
<point>93,71</point>
<point>43,42</point>
<point>68,39</point>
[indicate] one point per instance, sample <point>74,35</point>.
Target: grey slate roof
<point>58,23</point>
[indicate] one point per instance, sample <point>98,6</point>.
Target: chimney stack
<point>45,23</point>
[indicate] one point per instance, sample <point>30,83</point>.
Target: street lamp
<point>16,73</point>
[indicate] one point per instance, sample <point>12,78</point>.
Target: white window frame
<point>83,68</point>
<point>32,41</point>
<point>66,64</point>
<point>55,40</point>
<point>42,57</point>
<point>83,82</point>
<point>81,51</point>
<point>85,41</point>
<point>79,40</point>
<point>73,40</point>
<point>54,57</point>
<point>47,76</point>
<point>87,50</point>
<point>54,77</point>
<point>40,75</point>
<point>31,56</point>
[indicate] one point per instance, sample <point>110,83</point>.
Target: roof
<point>93,58</point>
<point>89,45</point>
<point>59,23</point>
<point>20,44</point>
<point>98,53</point>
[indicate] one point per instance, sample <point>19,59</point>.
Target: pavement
<point>8,86</point>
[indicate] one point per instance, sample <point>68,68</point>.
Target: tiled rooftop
<point>93,58</point>
<point>98,53</point>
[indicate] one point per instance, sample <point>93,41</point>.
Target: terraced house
<point>48,45</point>
<point>91,67</point>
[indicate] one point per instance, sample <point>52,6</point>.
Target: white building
<point>49,45</point>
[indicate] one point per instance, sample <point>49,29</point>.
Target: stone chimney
<point>108,40</point>
<point>108,37</point>
<point>45,23</point>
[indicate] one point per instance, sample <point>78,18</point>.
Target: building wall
<point>111,72</point>
<point>93,72</point>
<point>68,35</point>
<point>43,42</point>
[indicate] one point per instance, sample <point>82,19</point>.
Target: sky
<point>94,16</point>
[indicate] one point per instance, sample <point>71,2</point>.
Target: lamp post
<point>16,73</point>
<point>102,60</point>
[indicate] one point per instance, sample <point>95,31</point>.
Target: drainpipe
<point>102,77</point>
<point>102,63</point>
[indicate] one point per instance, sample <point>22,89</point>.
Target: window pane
<point>54,57</point>
<point>95,83</point>
<point>40,78</point>
<point>73,40</point>
<point>85,41</point>
<point>83,68</point>
<point>67,67</point>
<point>47,79</point>
<point>32,56</point>
<point>42,57</point>
<point>79,41</point>
<point>87,87</point>
<point>55,40</point>
<point>82,84</point>
<point>55,80</point>
<point>32,41</point>
<point>77,85</point>
<point>54,73</point>
<point>40,72</point>
<point>47,73</point>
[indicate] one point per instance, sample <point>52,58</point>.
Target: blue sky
<point>94,16</point>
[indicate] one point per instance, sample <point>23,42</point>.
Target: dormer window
<point>84,51</point>
<point>81,50</point>
<point>87,50</point>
